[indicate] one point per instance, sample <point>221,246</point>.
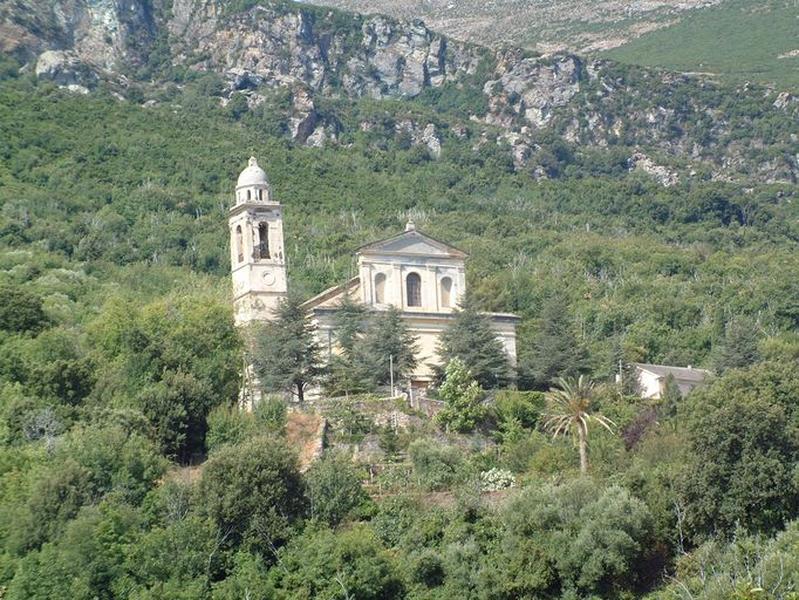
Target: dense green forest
<point>119,365</point>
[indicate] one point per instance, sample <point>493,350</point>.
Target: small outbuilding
<point>652,379</point>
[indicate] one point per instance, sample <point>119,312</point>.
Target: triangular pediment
<point>412,242</point>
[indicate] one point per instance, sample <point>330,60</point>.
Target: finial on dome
<point>410,225</point>
<point>252,162</point>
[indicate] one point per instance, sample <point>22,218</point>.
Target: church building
<point>424,278</point>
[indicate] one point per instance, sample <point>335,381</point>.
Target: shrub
<point>248,580</point>
<point>574,538</point>
<point>177,407</point>
<point>464,408</point>
<point>87,466</point>
<point>740,469</point>
<point>435,466</point>
<point>270,414</point>
<point>395,517</point>
<point>253,492</point>
<point>333,487</point>
<point>21,311</point>
<point>232,425</point>
<point>523,408</point>
<point>427,568</point>
<point>85,561</point>
<point>325,564</point>
<point>228,425</point>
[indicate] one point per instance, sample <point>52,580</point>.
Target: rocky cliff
<point>108,35</point>
<point>509,96</point>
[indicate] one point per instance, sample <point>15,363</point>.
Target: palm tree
<point>569,412</point>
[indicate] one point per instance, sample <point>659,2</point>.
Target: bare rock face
<point>785,100</point>
<point>530,88</point>
<point>641,162</point>
<point>320,137</point>
<point>105,34</point>
<point>421,136</point>
<point>241,79</point>
<point>303,120</point>
<point>65,69</point>
<point>277,50</point>
<point>403,59</point>
<point>378,58</point>
<point>430,139</point>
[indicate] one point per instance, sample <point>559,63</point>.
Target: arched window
<point>263,240</point>
<point>446,292</point>
<point>413,289</point>
<point>380,288</point>
<point>249,196</point>
<point>239,244</point>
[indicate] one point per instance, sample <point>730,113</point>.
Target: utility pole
<point>391,371</point>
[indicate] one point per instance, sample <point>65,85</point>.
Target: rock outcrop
<point>530,88</point>
<point>107,35</point>
<point>641,162</point>
<point>65,69</point>
<point>369,56</point>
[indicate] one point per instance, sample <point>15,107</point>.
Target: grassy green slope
<point>738,40</point>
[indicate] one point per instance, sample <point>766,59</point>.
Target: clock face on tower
<point>269,278</point>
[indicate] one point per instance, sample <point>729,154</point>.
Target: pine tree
<point>388,336</point>
<point>471,339</point>
<point>286,353</point>
<point>346,370</point>
<point>739,346</point>
<point>556,352</point>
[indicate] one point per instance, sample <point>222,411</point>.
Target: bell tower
<point>257,260</point>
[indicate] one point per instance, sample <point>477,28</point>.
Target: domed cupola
<point>252,185</point>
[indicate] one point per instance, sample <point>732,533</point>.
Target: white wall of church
<point>427,327</point>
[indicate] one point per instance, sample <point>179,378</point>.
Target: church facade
<point>424,278</point>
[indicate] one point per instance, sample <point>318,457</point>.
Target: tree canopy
<point>388,342</point>
<point>471,339</point>
<point>127,473</point>
<point>286,354</point>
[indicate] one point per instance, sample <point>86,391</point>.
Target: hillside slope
<point>738,40</point>
<point>735,39</point>
<point>625,214</point>
<point>668,125</point>
<point>548,25</point>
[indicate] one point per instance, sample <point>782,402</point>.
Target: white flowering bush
<point>496,479</point>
